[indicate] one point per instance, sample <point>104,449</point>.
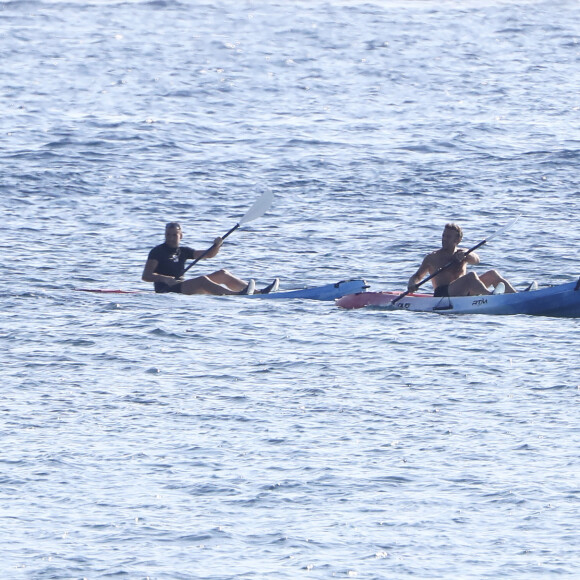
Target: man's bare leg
<point>204,285</point>
<point>493,278</point>
<point>228,279</point>
<point>468,285</point>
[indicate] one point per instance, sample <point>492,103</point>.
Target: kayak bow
<point>325,292</point>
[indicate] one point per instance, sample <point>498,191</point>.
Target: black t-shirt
<point>170,261</point>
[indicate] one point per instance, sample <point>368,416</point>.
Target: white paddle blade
<point>504,229</point>
<point>260,207</point>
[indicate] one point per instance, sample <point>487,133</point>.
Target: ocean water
<point>174,437</point>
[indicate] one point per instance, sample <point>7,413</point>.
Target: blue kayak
<point>562,300</point>
<point>325,292</point>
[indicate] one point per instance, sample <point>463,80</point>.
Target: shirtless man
<point>165,266</point>
<point>455,280</point>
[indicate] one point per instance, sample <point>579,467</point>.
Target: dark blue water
<point>148,436</point>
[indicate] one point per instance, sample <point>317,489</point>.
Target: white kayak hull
<point>562,300</point>
<point>325,292</point>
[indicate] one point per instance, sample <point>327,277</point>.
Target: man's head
<point>452,235</point>
<point>173,234</point>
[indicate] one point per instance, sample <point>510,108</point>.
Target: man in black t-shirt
<point>165,266</point>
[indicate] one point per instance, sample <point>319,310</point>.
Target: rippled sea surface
<point>174,437</point>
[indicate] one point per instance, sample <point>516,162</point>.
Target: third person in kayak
<point>455,280</point>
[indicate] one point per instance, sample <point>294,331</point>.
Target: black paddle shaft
<point>258,209</point>
<point>208,250</point>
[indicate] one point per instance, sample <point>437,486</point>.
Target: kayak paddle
<point>497,233</point>
<point>260,207</point>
